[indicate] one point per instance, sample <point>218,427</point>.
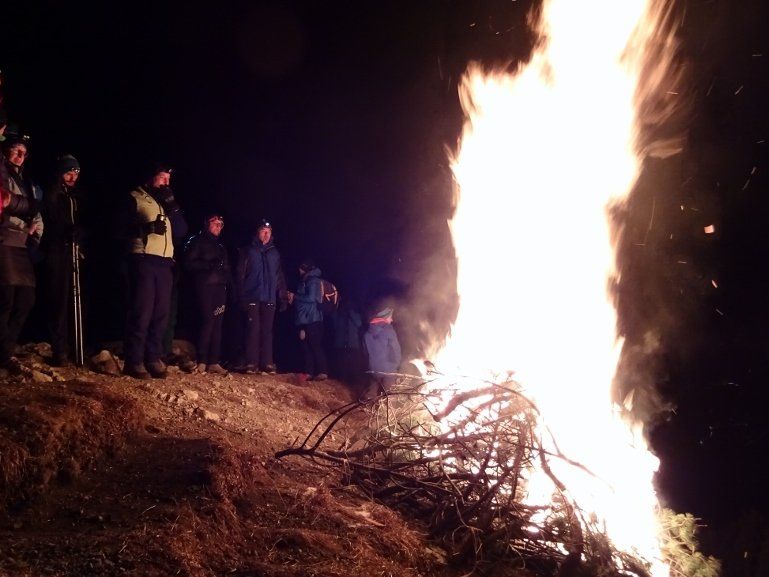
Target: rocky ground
<point>107,475</point>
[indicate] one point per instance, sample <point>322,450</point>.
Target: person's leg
<point>219,300</point>
<point>6,304</point>
<point>173,309</point>
<point>140,307</point>
<point>304,344</point>
<point>23,301</point>
<point>315,342</point>
<point>163,283</point>
<point>206,308</point>
<point>266,321</point>
<point>253,333</point>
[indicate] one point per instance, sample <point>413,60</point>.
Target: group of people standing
<point>40,234</point>
<point>36,228</point>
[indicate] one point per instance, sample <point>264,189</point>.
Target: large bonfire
<point>545,156</point>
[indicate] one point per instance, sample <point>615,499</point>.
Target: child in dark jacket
<point>206,258</point>
<point>384,352</point>
<point>309,321</point>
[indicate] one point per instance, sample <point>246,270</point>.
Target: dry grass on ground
<point>105,475</point>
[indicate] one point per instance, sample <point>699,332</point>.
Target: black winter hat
<point>307,265</point>
<point>264,223</point>
<point>14,136</point>
<point>66,163</point>
<point>157,167</point>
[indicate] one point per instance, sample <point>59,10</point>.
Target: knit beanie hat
<point>66,163</point>
<point>307,265</point>
<point>385,315</point>
<point>264,223</point>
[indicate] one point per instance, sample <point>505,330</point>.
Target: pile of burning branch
<point>459,460</point>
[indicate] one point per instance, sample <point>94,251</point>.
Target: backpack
<point>329,297</point>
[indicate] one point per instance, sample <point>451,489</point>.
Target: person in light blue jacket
<point>384,352</point>
<point>309,321</point>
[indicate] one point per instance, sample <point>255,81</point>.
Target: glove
<point>157,226</point>
<point>165,196</point>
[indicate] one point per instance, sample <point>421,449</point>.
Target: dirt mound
<point>110,476</point>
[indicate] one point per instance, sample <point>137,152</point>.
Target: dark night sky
<point>331,118</point>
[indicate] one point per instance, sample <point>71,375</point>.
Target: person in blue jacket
<point>261,285</point>
<point>309,320</point>
<point>384,352</point>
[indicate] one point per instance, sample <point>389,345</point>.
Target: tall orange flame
<point>544,154</point>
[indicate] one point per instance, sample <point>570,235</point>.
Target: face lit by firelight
<point>17,154</point>
<point>70,177</point>
<point>265,234</point>
<point>161,179</point>
<point>215,226</point>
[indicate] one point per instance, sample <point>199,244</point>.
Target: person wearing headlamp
<point>152,222</point>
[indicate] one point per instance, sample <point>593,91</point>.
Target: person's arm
<point>19,206</point>
<point>179,228</point>
<point>309,291</point>
<point>396,347</point>
<point>193,257</point>
<point>281,285</point>
<point>36,229</point>
<point>165,196</point>
<point>241,271</point>
<point>127,226</point>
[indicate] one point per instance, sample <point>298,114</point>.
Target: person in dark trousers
<point>21,228</point>
<point>309,321</point>
<point>384,352</point>
<point>261,284</point>
<point>206,258</point>
<point>61,214</point>
<point>152,220</point>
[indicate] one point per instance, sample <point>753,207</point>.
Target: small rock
<point>190,394</point>
<point>39,377</point>
<point>207,415</point>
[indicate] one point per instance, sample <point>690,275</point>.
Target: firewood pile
<point>458,461</point>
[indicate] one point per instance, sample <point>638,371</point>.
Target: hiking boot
<point>189,366</point>
<point>270,370</point>
<point>217,369</point>
<point>200,368</point>
<point>136,371</point>
<point>320,377</point>
<point>157,369</point>
<point>250,370</point>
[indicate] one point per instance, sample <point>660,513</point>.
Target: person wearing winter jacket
<point>383,350</point>
<point>206,259</point>
<point>21,228</point>
<point>309,321</point>
<point>63,227</point>
<point>151,221</point>
<point>260,285</point>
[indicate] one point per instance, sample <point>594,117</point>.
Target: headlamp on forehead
<point>264,223</point>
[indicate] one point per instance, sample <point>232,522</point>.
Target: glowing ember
<point>544,154</point>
